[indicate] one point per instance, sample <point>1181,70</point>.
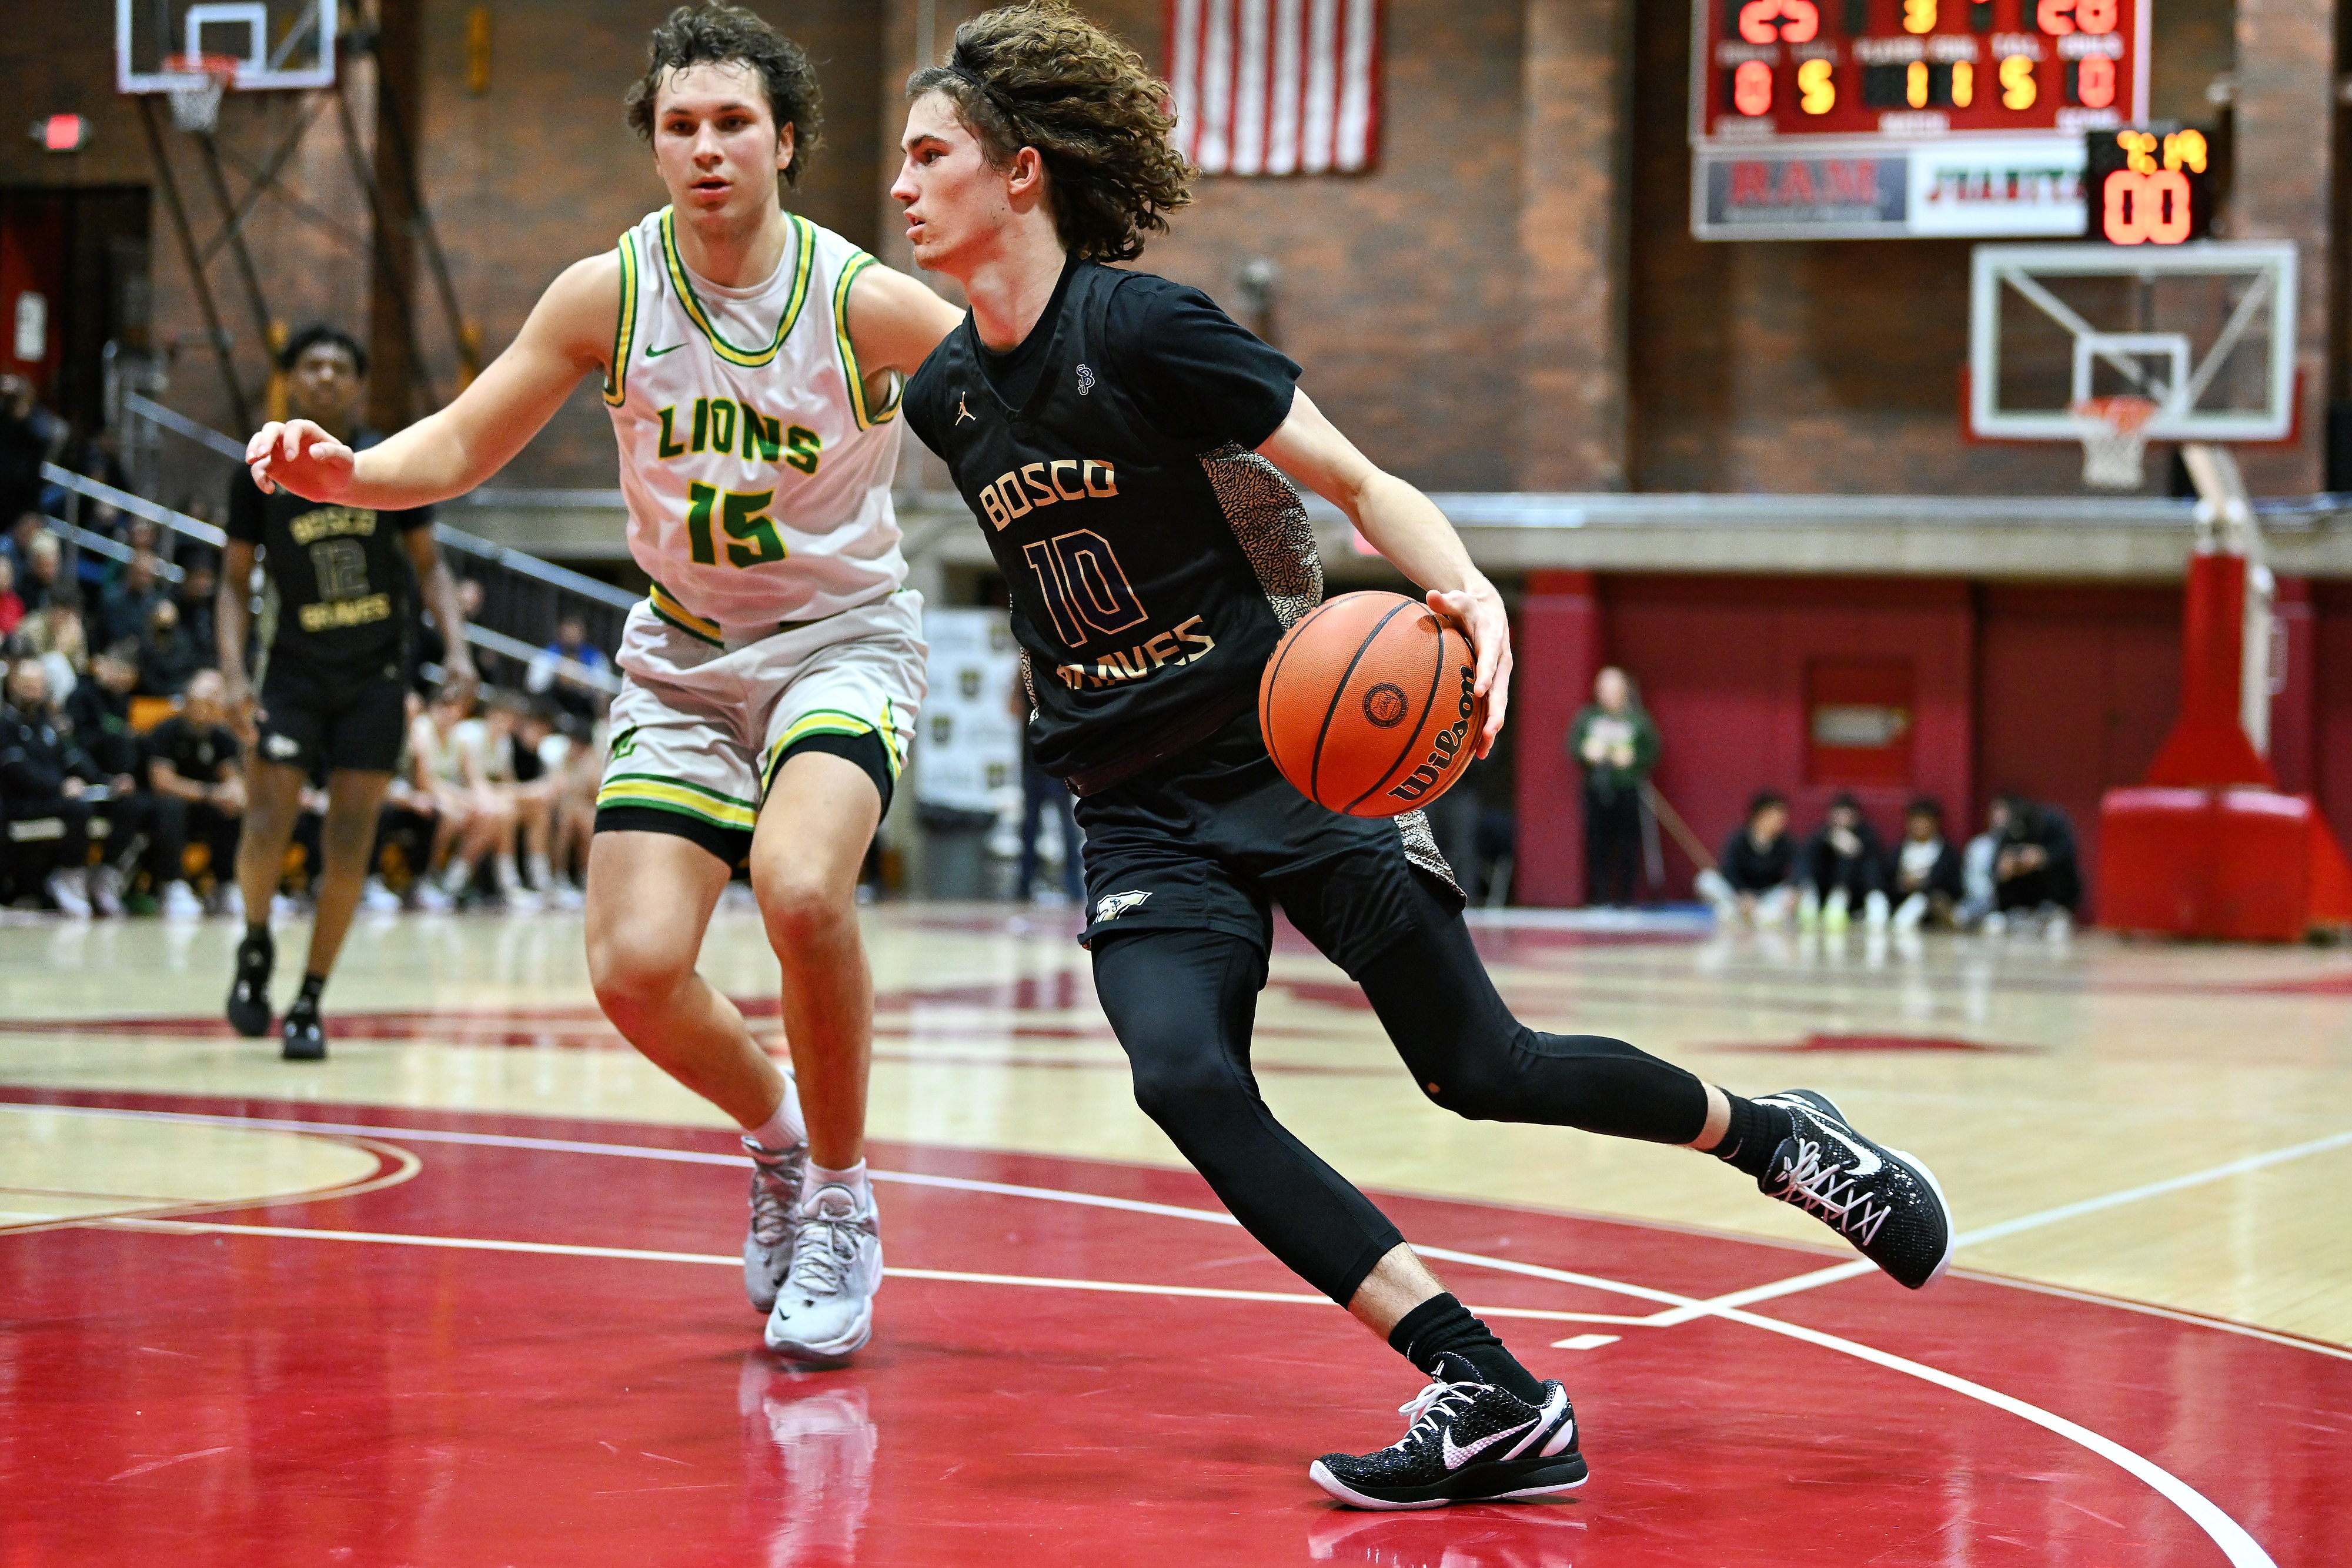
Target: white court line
<point>2007,1228</point>
<point>1677,1310</point>
<point>648,1254</point>
<point>2240,1548</point>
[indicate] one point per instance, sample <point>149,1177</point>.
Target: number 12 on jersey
<point>742,518</point>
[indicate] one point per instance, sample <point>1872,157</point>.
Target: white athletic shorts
<point>704,720</point>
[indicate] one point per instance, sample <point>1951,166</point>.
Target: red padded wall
<point>1722,665</point>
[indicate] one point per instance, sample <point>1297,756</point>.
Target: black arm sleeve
<point>1195,373</point>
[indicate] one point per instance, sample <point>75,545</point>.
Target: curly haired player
<point>752,364</point>
<point>1122,444</point>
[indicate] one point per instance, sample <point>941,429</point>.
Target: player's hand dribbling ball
<point>1368,705</point>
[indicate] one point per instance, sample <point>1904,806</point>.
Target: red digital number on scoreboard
<point>1908,68</point>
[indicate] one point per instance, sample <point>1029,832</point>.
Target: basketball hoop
<point>2113,431</point>
<point>194,84</point>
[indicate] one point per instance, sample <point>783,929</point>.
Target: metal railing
<point>523,583</point>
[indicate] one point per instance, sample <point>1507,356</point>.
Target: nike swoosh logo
<point>1865,1162</point>
<point>652,353</point>
<point>1457,1457</point>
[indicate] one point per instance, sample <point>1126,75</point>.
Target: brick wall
<point>1510,300</point>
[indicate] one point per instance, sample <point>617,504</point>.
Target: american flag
<point>1275,87</point>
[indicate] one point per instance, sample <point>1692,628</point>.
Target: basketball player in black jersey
<point>1122,444</point>
<point>334,679</point>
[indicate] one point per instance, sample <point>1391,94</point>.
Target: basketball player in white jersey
<point>752,363</point>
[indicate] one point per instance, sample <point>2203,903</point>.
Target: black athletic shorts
<point>323,719</point>
<point>1210,840</point>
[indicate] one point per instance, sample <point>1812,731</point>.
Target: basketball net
<point>195,91</point>
<point>2115,440</point>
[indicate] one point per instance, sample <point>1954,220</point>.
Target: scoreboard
<point>1852,119</point>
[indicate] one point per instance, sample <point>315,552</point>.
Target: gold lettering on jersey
<point>1162,652</point>
<point>1019,492</point>
<point>336,614</point>
<point>333,522</point>
<point>719,421</point>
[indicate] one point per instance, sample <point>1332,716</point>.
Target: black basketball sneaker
<point>305,1036</point>
<point>249,993</point>
<point>1882,1200</point>
<point>1469,1442</point>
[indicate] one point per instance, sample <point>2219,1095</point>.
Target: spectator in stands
<point>193,768</point>
<point>550,673</point>
<point>122,610</point>
<point>2035,872</point>
<point>1616,745</point>
<point>198,589</point>
<point>476,827</point>
<point>407,825</point>
<point>1924,873</point>
<point>1842,866</point>
<point>46,778</point>
<point>44,563</point>
<point>28,434</point>
<point>168,657</point>
<point>1755,878</point>
<point>100,709</point>
<point>12,607</point>
<point>54,634</point>
<point>16,546</point>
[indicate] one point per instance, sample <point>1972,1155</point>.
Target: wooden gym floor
<point>462,1294</point>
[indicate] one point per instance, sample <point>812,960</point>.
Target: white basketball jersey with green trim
<point>757,476</point>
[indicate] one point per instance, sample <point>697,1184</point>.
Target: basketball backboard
<point>2204,331</point>
<point>278,43</point>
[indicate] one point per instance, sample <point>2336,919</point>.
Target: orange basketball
<point>1366,704</point>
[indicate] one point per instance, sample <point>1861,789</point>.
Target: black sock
<point>258,934</point>
<point>311,986</point>
<point>1442,1325</point>
<point>1755,1132</point>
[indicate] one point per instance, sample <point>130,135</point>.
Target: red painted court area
<point>535,1348</point>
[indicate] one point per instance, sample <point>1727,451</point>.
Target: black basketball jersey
<point>340,576</point>
<point>1154,557</point>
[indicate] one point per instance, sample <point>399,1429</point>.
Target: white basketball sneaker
<point>775,1218</point>
<point>824,1309</point>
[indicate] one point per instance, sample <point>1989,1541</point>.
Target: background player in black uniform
<point>342,580</point>
<point>1119,439</point>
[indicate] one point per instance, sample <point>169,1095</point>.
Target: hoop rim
<point>2121,414</point>
<point>220,68</point>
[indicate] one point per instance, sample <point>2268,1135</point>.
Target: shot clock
<point>1822,119</point>
<point>2148,184</point>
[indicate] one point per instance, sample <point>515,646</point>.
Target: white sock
<point>854,1179</point>
<point>786,1128</point>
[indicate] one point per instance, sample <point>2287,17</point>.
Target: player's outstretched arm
<point>1406,527</point>
<point>568,336</point>
<point>895,322</point>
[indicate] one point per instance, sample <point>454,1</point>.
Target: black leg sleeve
<point>1182,1003</point>
<point>1471,1056</point>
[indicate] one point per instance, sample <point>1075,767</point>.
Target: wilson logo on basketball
<point>1443,747</point>
<point>1384,705</point>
